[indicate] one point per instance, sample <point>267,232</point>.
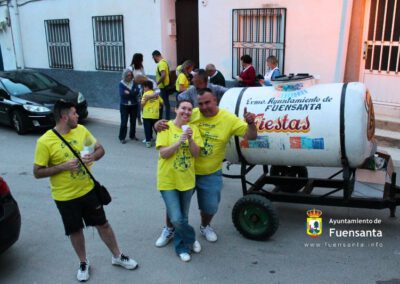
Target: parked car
<point>27,99</point>
<point>10,218</point>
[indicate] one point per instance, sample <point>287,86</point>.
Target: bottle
<point>379,162</point>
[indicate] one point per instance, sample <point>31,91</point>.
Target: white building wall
<point>141,29</point>
<point>312,34</point>
<point>6,43</point>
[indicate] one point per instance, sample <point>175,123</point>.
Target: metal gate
<point>59,43</point>
<point>381,54</point>
<point>109,46</point>
<point>258,33</point>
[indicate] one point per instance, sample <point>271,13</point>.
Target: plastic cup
<point>185,127</point>
<point>84,153</point>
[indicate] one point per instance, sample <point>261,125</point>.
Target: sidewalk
<point>105,115</point>
<point>112,116</point>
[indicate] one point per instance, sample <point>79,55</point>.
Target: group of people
<point>248,77</point>
<point>191,151</point>
<point>134,104</point>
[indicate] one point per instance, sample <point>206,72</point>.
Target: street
<point>43,253</point>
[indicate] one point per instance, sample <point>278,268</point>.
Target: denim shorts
<point>208,188</point>
<point>83,209</point>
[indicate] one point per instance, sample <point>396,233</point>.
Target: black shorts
<point>80,212</point>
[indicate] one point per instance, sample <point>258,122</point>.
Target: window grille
<point>383,42</point>
<point>59,43</point>
<point>258,33</point>
<point>109,46</point>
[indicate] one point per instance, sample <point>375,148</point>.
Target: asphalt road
<point>44,255</point>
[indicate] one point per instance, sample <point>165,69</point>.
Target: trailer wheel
<point>255,217</point>
<point>294,171</point>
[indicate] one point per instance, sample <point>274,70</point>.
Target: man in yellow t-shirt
<point>216,127</point>
<point>71,186</point>
<point>162,79</point>
<point>151,105</point>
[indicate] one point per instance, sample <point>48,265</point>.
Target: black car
<point>27,100</point>
<point>10,218</point>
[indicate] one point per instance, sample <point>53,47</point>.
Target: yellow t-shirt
<point>176,172</point>
<point>152,107</point>
<point>181,80</point>
<point>51,151</point>
<point>216,132</point>
<point>162,66</point>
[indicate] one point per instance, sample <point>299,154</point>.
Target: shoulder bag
<point>101,191</point>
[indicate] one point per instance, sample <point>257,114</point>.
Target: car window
<point>15,88</point>
<point>23,83</point>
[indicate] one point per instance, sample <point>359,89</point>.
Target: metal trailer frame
<point>256,218</point>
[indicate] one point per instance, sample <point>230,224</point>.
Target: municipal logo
<point>314,223</point>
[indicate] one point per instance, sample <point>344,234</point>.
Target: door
<point>187,31</point>
<point>380,64</point>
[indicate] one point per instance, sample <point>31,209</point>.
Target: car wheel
<point>18,123</point>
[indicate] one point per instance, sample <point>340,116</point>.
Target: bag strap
<point>76,155</point>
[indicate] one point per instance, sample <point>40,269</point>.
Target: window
<point>109,46</point>
<point>59,43</point>
<point>383,43</point>
<point>258,33</point>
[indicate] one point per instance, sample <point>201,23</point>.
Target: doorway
<point>380,64</point>
<point>187,31</point>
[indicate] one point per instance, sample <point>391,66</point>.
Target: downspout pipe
<point>343,40</point>
<point>16,34</point>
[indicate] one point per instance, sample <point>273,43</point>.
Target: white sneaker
<point>124,261</point>
<point>166,235</point>
<point>83,271</point>
<point>144,140</point>
<point>208,233</point>
<point>185,256</point>
<point>196,246</point>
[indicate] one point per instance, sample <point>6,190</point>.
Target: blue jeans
<point>178,203</point>
<point>128,112</point>
<point>208,188</point>
<point>167,106</point>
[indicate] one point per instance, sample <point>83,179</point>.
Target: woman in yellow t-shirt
<point>183,80</point>
<point>178,147</point>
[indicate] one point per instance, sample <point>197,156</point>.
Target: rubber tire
<point>18,123</point>
<point>254,227</point>
<point>294,171</point>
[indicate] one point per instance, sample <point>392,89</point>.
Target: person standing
<point>162,79</point>
<point>247,77</point>
<point>216,127</point>
<point>138,70</point>
<point>128,92</point>
<point>183,80</point>
<point>178,147</point>
<point>216,76</point>
<point>71,186</point>
<point>151,105</point>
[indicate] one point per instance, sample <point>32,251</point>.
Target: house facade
<point>336,41</point>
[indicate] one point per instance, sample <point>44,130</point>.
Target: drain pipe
<point>343,40</point>
<point>16,35</point>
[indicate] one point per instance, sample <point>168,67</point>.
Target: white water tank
<point>303,124</point>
